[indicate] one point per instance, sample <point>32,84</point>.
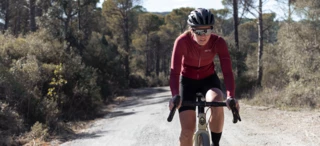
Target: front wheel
<point>202,140</point>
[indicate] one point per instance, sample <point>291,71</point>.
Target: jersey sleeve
<point>176,63</point>
<point>226,67</point>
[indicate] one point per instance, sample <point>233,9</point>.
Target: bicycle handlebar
<point>171,114</point>
<point>204,104</point>
<point>176,100</point>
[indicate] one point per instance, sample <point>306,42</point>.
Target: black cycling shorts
<point>189,88</point>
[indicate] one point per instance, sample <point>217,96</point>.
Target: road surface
<point>142,121</point>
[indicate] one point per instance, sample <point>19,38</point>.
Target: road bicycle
<point>201,136</point>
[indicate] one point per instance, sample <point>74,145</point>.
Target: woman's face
<point>202,34</point>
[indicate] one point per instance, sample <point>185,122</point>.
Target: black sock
<point>215,138</point>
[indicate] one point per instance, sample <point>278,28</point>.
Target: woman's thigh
<point>188,120</point>
<point>188,90</point>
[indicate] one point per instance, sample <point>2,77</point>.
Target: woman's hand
<point>228,103</point>
<point>173,100</point>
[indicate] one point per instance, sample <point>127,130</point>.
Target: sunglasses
<point>201,32</point>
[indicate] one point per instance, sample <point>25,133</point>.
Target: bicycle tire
<point>203,140</point>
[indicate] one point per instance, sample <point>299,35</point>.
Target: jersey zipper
<point>199,64</point>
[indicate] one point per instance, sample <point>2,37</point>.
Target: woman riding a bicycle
<point>192,71</point>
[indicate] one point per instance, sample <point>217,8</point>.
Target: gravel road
<point>141,121</point>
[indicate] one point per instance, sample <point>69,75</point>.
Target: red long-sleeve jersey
<point>194,61</point>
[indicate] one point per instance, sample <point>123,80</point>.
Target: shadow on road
<point>82,135</point>
<point>120,113</point>
<point>135,98</point>
<point>144,101</point>
<point>146,91</point>
<point>91,135</point>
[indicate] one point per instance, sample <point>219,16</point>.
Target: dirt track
<point>141,121</point>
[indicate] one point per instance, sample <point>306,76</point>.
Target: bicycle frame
<point>202,122</point>
<point>202,125</point>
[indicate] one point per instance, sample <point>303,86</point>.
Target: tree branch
<point>242,14</point>
<point>248,5</point>
<point>266,28</point>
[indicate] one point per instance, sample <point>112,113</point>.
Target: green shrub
<point>137,81</point>
<point>39,130</point>
<point>27,75</point>
<point>244,86</point>
<point>82,92</point>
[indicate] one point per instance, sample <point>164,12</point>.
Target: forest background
<point>62,60</point>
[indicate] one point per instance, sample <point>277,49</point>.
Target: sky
<point>169,5</point>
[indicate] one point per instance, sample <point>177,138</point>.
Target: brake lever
<point>176,101</point>
<point>235,112</point>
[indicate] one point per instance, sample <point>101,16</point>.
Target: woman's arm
<point>226,67</point>
<point>176,61</point>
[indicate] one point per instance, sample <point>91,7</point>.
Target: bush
<point>82,92</point>
<point>29,68</point>
<point>291,69</point>
<point>11,124</point>
<point>137,81</point>
<point>244,86</point>
<point>274,70</point>
<point>39,130</point>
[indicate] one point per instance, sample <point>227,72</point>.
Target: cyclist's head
<point>201,23</point>
<point>200,17</point>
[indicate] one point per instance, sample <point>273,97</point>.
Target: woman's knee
<point>186,134</point>
<point>214,94</point>
<point>188,125</point>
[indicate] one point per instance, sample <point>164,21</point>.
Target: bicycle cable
<point>208,118</point>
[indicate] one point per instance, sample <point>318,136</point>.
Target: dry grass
<point>289,98</point>
<point>120,99</point>
<point>37,142</point>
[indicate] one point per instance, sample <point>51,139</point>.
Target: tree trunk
<point>147,55</point>
<point>79,17</point>
<point>236,38</point>
<point>289,11</point>
<point>32,15</point>
<point>66,27</point>
<point>127,47</point>
<point>6,17</point>
<point>260,45</point>
<point>17,23</point>
<point>157,55</point>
